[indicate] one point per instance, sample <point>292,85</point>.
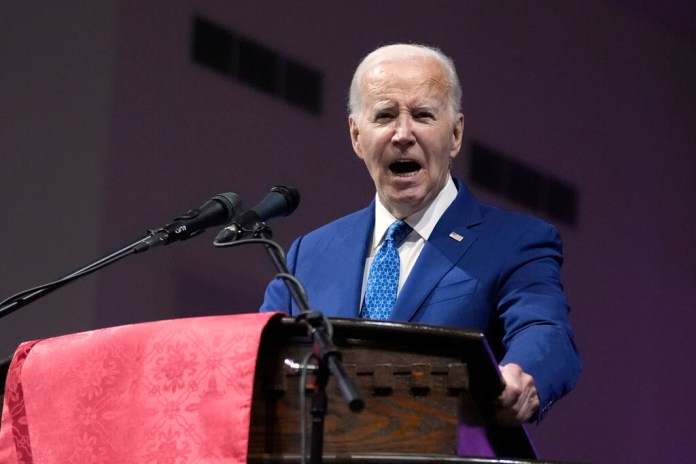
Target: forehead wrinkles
<point>413,87</point>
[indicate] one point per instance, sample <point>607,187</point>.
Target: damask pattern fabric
<point>175,391</point>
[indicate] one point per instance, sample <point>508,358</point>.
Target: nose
<point>403,131</point>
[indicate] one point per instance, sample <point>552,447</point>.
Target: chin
<point>407,202</point>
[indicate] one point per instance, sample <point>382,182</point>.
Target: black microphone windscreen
<point>232,203</point>
<point>291,195</point>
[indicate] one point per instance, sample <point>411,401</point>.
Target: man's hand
<point>519,400</point>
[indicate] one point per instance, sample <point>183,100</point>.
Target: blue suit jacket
<point>501,278</point>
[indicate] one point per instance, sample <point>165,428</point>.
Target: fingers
<point>519,400</point>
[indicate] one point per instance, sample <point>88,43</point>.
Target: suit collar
<point>450,240</point>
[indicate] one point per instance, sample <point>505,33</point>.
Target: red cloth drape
<point>176,391</point>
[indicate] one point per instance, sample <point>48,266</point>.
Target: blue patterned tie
<point>383,279</point>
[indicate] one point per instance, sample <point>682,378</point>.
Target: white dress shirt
<point>423,222</point>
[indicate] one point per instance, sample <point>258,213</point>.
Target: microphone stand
<point>319,331</point>
<point>184,227</point>
<point>18,300</point>
<point>21,299</point>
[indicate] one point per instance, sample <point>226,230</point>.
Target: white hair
<point>397,52</point>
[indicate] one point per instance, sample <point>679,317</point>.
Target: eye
<point>424,115</point>
<point>383,117</point>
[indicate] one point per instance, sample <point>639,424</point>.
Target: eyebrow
<point>387,105</point>
<point>382,105</point>
<point>426,107</point>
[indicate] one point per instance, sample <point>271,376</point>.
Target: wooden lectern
<point>425,389</point>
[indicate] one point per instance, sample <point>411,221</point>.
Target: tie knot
<point>397,232</point>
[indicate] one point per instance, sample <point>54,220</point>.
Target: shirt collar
<point>422,221</point>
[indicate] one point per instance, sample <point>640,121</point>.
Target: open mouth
<point>404,168</point>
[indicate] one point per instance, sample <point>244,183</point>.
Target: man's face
<point>406,133</point>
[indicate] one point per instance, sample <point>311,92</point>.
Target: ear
<point>457,135</point>
<point>355,135</point>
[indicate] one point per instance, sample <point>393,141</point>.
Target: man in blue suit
<point>462,264</point>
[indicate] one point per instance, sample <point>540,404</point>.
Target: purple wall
<point>107,129</point>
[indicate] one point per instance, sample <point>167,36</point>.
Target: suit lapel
<point>346,273</point>
<point>448,242</point>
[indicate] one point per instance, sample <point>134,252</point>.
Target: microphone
<point>217,211</point>
<point>280,201</point>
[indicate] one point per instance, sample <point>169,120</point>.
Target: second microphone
<point>279,202</point>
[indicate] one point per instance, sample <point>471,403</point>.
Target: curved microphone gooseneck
<point>284,200</point>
